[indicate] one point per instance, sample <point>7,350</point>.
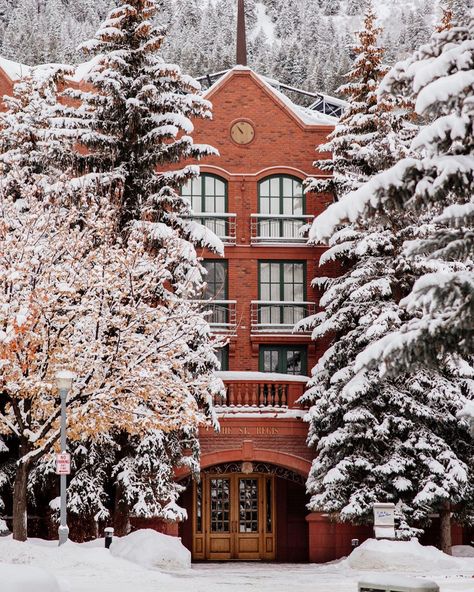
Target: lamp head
<point>64,379</point>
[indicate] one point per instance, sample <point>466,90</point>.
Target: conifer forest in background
<point>305,43</point>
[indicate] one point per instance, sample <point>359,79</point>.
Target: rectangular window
<point>216,291</point>
<point>282,359</point>
<point>284,283</point>
<point>216,279</point>
<point>222,355</point>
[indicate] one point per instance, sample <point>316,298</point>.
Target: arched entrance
<point>246,511</point>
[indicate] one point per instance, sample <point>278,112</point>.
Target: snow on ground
<point>20,578</point>
<point>90,567</point>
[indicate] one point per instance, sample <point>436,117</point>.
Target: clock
<point>242,132</point>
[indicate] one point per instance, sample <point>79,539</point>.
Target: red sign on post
<point>63,463</point>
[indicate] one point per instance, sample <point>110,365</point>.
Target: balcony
<point>268,316</point>
<point>259,391</point>
<point>222,225</point>
<point>221,314</point>
<point>279,229</point>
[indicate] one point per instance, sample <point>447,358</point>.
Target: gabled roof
<point>303,115</point>
<point>306,116</point>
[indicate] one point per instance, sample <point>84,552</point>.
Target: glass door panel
<point>220,505</point>
<point>248,505</point>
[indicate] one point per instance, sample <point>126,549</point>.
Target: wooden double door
<point>234,517</point>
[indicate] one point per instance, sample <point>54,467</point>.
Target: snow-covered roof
<point>14,70</point>
<point>246,412</point>
<point>305,115</point>
<point>308,116</point>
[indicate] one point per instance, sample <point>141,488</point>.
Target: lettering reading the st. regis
<point>248,431</point>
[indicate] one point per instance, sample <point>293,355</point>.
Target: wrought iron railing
<point>268,316</point>
<point>221,314</point>
<point>222,225</point>
<point>273,228</point>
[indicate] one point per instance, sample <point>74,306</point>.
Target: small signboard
<point>63,463</point>
<point>384,521</point>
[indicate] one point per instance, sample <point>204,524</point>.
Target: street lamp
<point>64,380</point>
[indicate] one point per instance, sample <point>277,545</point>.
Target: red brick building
<point>251,503</point>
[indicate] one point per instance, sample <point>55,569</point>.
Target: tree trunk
<point>20,501</point>
<point>445,529</point>
<point>121,512</point>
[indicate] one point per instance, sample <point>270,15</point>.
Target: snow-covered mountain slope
<point>305,43</point>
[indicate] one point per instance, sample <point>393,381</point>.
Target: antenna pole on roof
<point>241,35</point>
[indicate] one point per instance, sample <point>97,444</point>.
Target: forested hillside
<point>303,42</point>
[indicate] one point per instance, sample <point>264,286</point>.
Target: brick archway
<point>281,459</point>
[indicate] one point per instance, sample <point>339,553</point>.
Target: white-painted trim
<point>210,167</point>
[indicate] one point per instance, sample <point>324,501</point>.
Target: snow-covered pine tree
<point>396,440</point>
<point>438,183</point>
<point>350,164</point>
<point>134,123</point>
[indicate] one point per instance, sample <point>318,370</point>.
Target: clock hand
<point>240,129</point>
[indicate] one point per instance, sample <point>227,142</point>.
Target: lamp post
<point>64,380</point>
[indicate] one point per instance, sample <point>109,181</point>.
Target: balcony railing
<point>262,393</point>
<point>222,315</point>
<point>268,316</point>
<point>273,228</point>
<point>222,225</point>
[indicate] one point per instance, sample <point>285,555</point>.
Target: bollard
<point>109,535</point>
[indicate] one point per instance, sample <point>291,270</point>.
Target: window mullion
<point>281,353</point>
<point>203,191</point>
<point>282,292</point>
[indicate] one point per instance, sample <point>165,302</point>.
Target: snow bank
<point>21,578</point>
<point>152,549</point>
<point>404,556</point>
<point>462,551</point>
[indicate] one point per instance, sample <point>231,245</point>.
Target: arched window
<point>208,195</point>
<point>281,210</point>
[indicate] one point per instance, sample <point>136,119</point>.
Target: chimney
<point>241,35</point>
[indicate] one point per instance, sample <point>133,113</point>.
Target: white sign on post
<point>384,521</point>
<point>63,463</point>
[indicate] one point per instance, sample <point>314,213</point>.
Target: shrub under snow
<point>152,549</point>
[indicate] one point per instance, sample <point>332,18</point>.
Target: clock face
<point>242,132</point>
